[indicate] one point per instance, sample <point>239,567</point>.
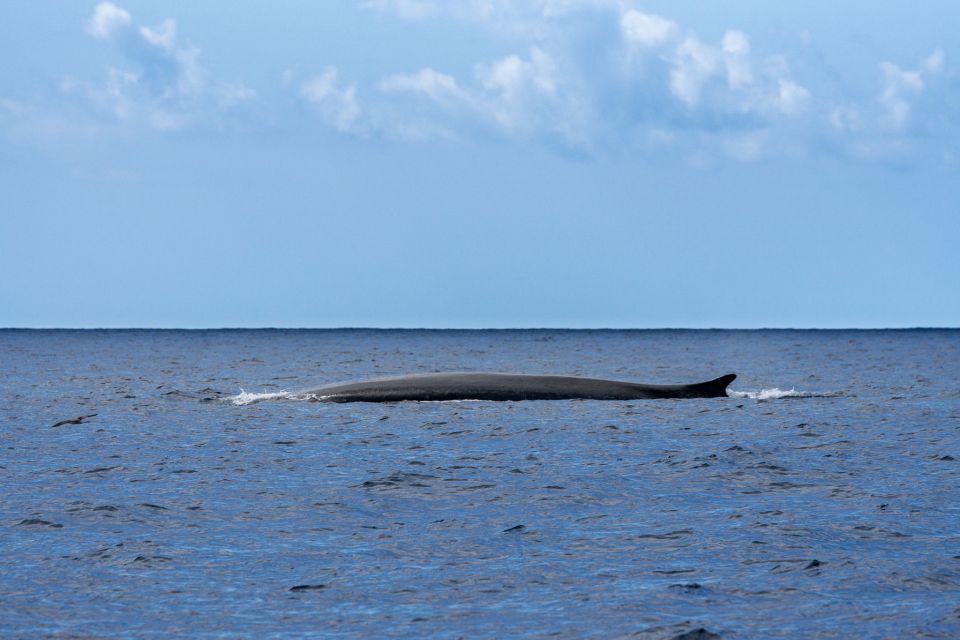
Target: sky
<point>480,163</point>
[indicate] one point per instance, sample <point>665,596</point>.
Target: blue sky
<point>416,163</point>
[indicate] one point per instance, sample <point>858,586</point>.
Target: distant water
<point>203,499</point>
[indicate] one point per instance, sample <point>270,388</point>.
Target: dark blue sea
<point>202,497</point>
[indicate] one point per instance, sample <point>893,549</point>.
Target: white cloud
<point>735,42</point>
<point>106,20</point>
<point>522,95</point>
<point>164,35</point>
<point>792,97</point>
<point>438,86</point>
<point>898,123</point>
<point>506,76</point>
<point>512,75</point>
<point>336,103</point>
<point>172,66</point>
<point>158,83</point>
<point>514,95</point>
<point>654,85</point>
<point>896,103</point>
<point>902,86</point>
<point>163,84</point>
<point>646,29</point>
<point>724,80</point>
<point>736,57</point>
<point>695,63</point>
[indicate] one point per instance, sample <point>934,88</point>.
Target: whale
<point>506,387</point>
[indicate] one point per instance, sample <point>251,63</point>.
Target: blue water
<point>184,508</point>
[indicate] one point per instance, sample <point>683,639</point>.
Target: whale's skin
<point>438,387</point>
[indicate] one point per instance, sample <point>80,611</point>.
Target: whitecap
<point>246,397</point>
<point>777,394</point>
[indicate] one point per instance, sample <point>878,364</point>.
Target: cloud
<point>336,103</point>
<point>582,76</point>
<point>909,113</point>
<point>158,83</point>
<point>646,29</point>
<point>515,96</point>
<point>694,64</point>
<point>791,97</point>
<point>725,78</point>
<point>735,49</point>
<point>433,84</point>
<point>910,119</point>
<point>512,75</point>
<point>106,20</point>
<point>599,73</point>
<point>529,96</point>
<point>165,71</point>
<point>902,86</point>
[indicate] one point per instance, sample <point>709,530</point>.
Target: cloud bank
<point>658,86</point>
<point>584,76</point>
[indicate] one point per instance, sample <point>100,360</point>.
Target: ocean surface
<point>203,497</point>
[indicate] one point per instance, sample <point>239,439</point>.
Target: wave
<point>777,394</point>
<point>246,397</point>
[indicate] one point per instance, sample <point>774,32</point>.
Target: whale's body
<point>510,386</point>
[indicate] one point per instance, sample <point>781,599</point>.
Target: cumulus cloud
<point>433,84</point>
<point>336,103</point>
<point>908,108</point>
<point>655,80</point>
<point>724,77</point>
<point>511,76</point>
<point>157,83</point>
<point>694,64</point>
<point>106,20</point>
<point>525,95</point>
<point>515,95</point>
<point>582,75</point>
<point>791,97</point>
<point>735,49</point>
<point>902,86</point>
<point>646,29</point>
<point>900,91</point>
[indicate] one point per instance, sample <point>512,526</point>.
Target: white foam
<point>245,397</point>
<point>777,394</point>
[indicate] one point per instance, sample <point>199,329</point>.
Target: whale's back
<point>507,386</point>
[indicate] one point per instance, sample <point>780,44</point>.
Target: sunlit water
<point>205,498</point>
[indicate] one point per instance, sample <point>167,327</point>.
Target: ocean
<point>202,496</point>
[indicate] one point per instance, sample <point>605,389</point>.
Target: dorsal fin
<point>715,388</point>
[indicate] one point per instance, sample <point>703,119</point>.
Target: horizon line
<point>496,328</point>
